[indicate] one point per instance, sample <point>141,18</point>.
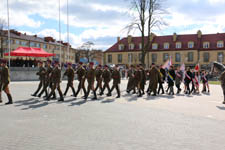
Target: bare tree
<point>2,26</point>
<point>147,14</point>
<point>87,50</point>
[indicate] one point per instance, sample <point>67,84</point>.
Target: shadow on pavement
<point>108,101</point>
<point>78,103</point>
<point>36,106</point>
<point>221,108</point>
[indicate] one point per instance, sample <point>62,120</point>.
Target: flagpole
<point>9,43</point>
<point>68,50</point>
<point>60,49</point>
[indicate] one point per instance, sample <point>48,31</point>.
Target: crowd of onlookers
<point>20,62</point>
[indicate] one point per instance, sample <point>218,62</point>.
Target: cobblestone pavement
<point>181,122</point>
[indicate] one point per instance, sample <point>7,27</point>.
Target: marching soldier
<point>48,80</point>
<point>143,80</point>
<point>138,80</point>
<point>81,73</point>
<point>222,79</point>
<point>56,79</point>
<point>130,75</point>
<point>116,81</point>
<point>154,77</point>
<point>91,80</point>
<point>106,75</point>
<point>70,77</point>
<point>5,80</point>
<point>98,73</point>
<point>41,74</point>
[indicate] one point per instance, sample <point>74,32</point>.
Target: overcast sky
<point>102,21</point>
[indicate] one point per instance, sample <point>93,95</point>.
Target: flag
<point>197,68</point>
<point>182,67</point>
<point>167,64</point>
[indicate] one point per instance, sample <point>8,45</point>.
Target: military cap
<point>91,63</point>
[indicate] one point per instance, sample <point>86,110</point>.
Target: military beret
<point>100,65</point>
<point>106,66</point>
<point>3,61</point>
<point>56,62</point>
<point>69,63</point>
<point>49,61</point>
<point>91,63</point>
<point>80,63</point>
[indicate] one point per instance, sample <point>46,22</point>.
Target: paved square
<point>129,123</point>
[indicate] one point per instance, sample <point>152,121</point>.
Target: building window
<point>140,56</point>
<point>220,44</point>
<point>178,45</point>
<point>45,46</point>
<point>130,58</point>
<point>220,57</point>
<point>109,58</point>
<point>154,46</point>
<point>17,42</point>
<point>119,58</point>
<point>165,57</point>
<point>121,47</point>
<point>206,45</point>
<point>166,45</point>
<point>154,58</point>
<point>131,46</point>
<point>190,44</point>
<point>32,44</point>
<point>24,43</point>
<point>38,45</point>
<point>140,46</point>
<point>178,57</point>
<point>190,57</point>
<point>206,57</point>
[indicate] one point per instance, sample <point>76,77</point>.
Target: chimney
<point>152,37</point>
<point>199,34</point>
<point>129,39</point>
<point>174,37</point>
<point>118,39</point>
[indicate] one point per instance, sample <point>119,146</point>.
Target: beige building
<point>47,43</point>
<point>189,49</point>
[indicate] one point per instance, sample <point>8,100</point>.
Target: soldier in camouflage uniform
<point>116,81</point>
<point>70,77</point>
<point>90,76</point>
<point>98,74</point>
<point>106,75</point>
<point>130,75</point>
<point>5,80</point>
<point>81,73</point>
<point>41,74</point>
<point>48,80</point>
<point>56,79</point>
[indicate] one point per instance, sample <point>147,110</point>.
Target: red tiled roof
<point>184,39</point>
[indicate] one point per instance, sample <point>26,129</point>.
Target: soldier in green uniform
<point>5,80</point>
<point>56,79</point>
<point>81,73</point>
<point>116,81</point>
<point>90,76</point>
<point>70,77</point>
<point>138,79</point>
<point>48,80</point>
<point>98,74</point>
<point>106,75</point>
<point>41,74</point>
<point>130,75</point>
<point>143,80</point>
<point>154,77</point>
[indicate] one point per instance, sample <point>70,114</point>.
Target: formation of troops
<point>99,77</point>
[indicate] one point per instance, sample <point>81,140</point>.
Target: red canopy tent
<point>29,51</point>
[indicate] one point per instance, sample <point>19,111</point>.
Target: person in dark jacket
<point>70,77</point>
<point>41,74</point>
<point>116,81</point>
<point>171,79</point>
<point>187,80</point>
<point>98,74</point>
<point>5,80</point>
<point>81,73</point>
<point>143,80</point>
<point>138,80</point>
<point>161,81</point>
<point>178,79</point>
<point>205,81</point>
<point>154,77</point>
<point>130,75</point>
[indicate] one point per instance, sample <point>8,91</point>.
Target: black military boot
<point>95,96</point>
<point>10,99</point>
<point>140,95</point>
